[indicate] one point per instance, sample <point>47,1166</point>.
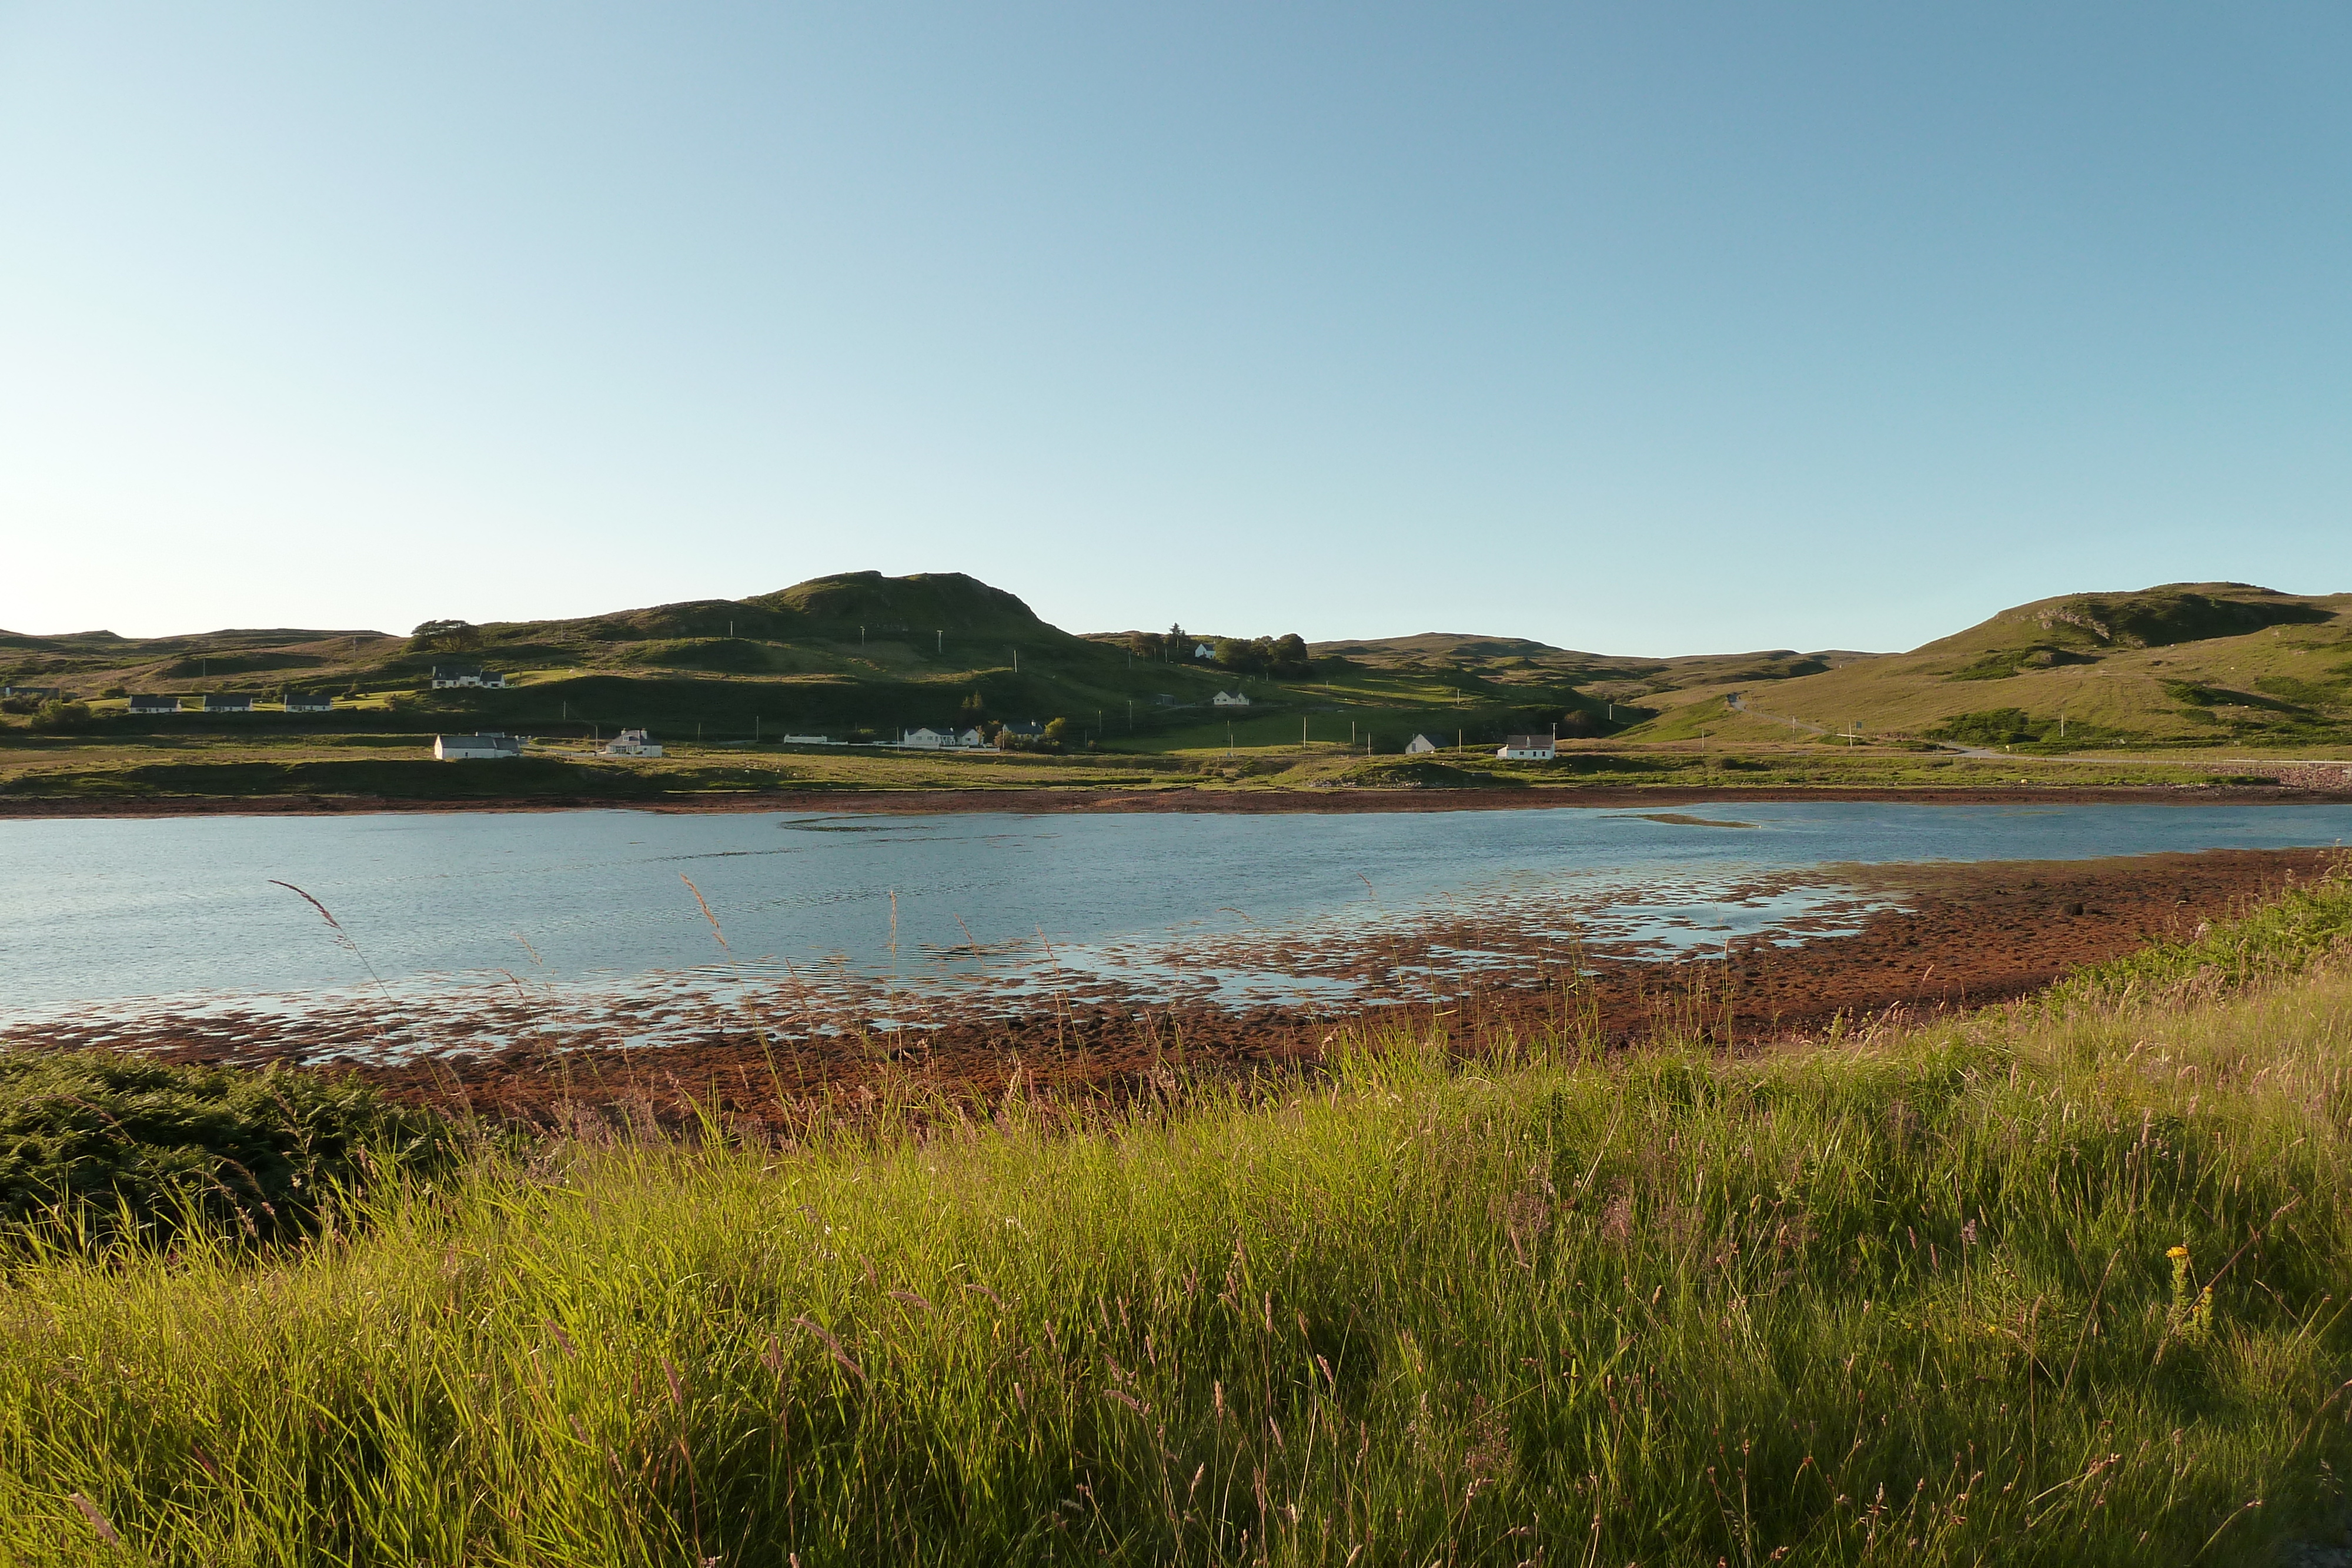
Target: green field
<point>2062,1283</point>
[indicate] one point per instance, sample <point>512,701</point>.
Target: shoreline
<point>1966,934</point>
<point>1028,801</point>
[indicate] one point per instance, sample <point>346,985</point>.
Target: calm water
<point>171,911</point>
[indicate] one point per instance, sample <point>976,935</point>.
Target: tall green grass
<point>2043,1285</point>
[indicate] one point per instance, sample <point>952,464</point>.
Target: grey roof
<point>1528,742</point>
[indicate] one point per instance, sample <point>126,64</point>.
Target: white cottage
<point>1419,746</point>
<point>1230,699</point>
<point>632,743</point>
<point>945,739</point>
<point>1528,749</point>
<point>475,747</point>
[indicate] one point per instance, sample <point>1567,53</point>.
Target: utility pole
<point>943,641</point>
<point>1016,661</point>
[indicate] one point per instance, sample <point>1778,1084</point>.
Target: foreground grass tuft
<point>2039,1286</point>
<point>99,1149</point>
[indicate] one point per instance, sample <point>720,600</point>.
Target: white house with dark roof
<point>632,743</point>
<point>1203,650</point>
<point>145,704</point>
<point>446,675</point>
<point>1528,749</point>
<point>1421,746</point>
<point>946,738</point>
<point>309,702</point>
<point>228,702</point>
<point>475,747</point>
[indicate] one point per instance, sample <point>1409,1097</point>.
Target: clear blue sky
<point>1651,328</point>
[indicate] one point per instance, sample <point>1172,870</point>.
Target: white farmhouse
<point>1230,699</point>
<point>446,675</point>
<point>1419,746</point>
<point>947,739</point>
<point>309,702</point>
<point>145,704</point>
<point>631,743</point>
<point>475,747</point>
<point>1203,650</point>
<point>1528,749</point>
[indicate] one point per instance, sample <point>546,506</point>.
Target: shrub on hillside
<point>96,1138</point>
<point>61,715</point>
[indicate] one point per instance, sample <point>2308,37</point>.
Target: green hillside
<point>862,657</point>
<point>2194,664</point>
<point>857,656</point>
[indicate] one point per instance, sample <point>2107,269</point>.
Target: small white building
<point>154,704</point>
<point>806,740</point>
<point>228,702</point>
<point>1203,650</point>
<point>945,739</point>
<point>631,743</point>
<point>475,748</point>
<point>1419,746</point>
<point>309,702</point>
<point>446,675</point>
<point>1230,699</point>
<point>1528,749</point>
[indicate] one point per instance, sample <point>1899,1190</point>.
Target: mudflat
<point>1963,934</point>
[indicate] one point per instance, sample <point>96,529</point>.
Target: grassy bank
<point>2056,1284</point>
<point>358,768</point>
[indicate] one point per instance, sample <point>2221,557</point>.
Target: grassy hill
<point>854,656</point>
<point>861,657</point>
<point>1623,681</point>
<point>2195,664</point>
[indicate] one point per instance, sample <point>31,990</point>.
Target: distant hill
<point>1612,677</point>
<point>864,653</point>
<point>2199,663</point>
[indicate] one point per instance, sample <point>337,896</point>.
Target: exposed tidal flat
<point>2059,1282</point>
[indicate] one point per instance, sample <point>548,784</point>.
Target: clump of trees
<point>61,715</point>
<point>1055,738</point>
<point>1282,658</point>
<point>445,637</point>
